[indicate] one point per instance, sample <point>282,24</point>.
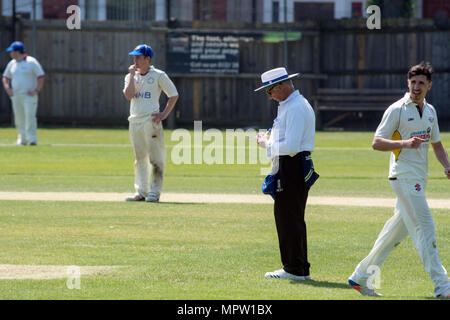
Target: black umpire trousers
<point>289,210</point>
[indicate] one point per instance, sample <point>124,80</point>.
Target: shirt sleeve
<point>167,85</point>
<point>435,135</point>
<point>389,123</point>
<point>295,124</point>
<point>7,72</point>
<point>38,71</point>
<point>126,81</point>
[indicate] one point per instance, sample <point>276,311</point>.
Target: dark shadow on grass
<point>322,284</point>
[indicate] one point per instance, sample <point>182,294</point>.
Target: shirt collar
<point>292,96</point>
<point>408,100</point>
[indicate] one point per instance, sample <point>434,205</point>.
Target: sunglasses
<point>269,89</point>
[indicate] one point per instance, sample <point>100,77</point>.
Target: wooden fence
<point>85,69</point>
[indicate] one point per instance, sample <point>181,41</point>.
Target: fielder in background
<point>23,79</point>
<point>289,145</point>
<point>143,86</point>
<point>407,128</point>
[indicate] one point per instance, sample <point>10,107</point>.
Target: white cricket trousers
<point>147,140</point>
<point>411,216</point>
<point>24,108</point>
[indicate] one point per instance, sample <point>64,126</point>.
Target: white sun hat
<point>274,76</point>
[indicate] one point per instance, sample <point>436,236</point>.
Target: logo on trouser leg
<point>418,187</point>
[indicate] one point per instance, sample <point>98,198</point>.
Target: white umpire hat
<point>274,76</point>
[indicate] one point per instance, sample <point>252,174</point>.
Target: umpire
<point>289,145</point>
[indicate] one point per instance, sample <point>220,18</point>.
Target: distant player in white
<point>407,128</point>
<point>143,86</point>
<point>23,79</point>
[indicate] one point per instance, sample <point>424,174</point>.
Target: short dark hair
<point>423,68</point>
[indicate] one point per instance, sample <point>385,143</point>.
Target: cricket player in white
<point>143,86</point>
<point>23,79</point>
<point>407,128</point>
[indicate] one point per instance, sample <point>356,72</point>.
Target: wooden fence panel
<point>85,69</point>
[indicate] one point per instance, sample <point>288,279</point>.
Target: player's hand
<point>132,70</point>
<point>261,139</point>
<point>158,117</point>
<point>414,142</point>
<point>447,172</point>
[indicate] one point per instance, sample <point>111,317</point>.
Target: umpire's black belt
<point>298,155</point>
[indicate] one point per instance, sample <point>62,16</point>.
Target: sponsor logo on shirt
<point>418,188</point>
<point>422,134</point>
<point>410,119</point>
<point>143,95</point>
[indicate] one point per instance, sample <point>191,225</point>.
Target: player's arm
<point>157,117</point>
<point>383,144</point>
<point>442,156</point>
<point>7,85</point>
<point>171,92</point>
<point>130,88</point>
<point>39,85</point>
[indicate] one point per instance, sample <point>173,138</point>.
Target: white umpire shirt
<point>404,117</point>
<point>293,129</point>
<point>148,90</point>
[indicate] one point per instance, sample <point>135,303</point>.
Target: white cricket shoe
<point>365,291</point>
<point>152,197</point>
<point>281,274</point>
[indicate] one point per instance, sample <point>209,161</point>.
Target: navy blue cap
<point>142,50</point>
<point>16,46</point>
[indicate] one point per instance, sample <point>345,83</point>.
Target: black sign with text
<point>204,53</point>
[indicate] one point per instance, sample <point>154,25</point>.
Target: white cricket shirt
<point>23,74</point>
<point>404,117</point>
<point>294,127</point>
<point>148,90</point>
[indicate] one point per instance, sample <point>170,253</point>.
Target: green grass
<point>196,251</point>
<point>199,251</point>
<point>347,165</point>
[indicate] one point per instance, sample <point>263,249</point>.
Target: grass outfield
<point>102,161</point>
<point>196,251</point>
<point>199,251</point>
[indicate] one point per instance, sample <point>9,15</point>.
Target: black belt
<point>299,154</point>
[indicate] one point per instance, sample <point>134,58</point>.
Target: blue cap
<point>142,50</point>
<point>16,46</point>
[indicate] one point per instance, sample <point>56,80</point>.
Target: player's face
<point>274,92</point>
<point>141,61</point>
<point>418,88</point>
<point>15,55</point>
